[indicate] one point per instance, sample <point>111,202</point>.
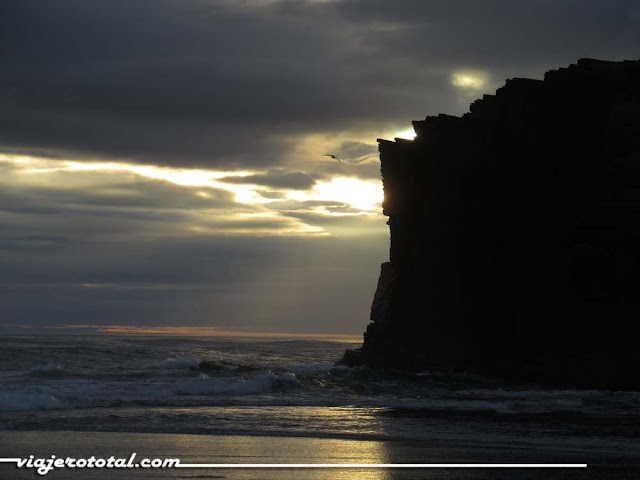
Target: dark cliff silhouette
<point>515,235</point>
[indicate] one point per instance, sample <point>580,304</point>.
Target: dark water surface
<point>292,388</point>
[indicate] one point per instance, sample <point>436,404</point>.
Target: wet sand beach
<point>604,461</point>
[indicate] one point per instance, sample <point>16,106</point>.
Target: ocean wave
<point>90,394</point>
<point>176,373</point>
<point>47,370</point>
<point>179,363</point>
<point>29,401</point>
<point>262,383</point>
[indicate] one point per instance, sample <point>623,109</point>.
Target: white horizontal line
<point>364,465</point>
<point>382,465</point>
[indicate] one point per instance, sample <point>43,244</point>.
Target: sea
<point>289,387</point>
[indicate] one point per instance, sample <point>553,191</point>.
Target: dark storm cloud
<point>163,82</point>
<point>32,242</point>
<point>218,83</point>
<point>295,206</point>
<point>275,179</point>
<point>495,33</point>
<point>150,194</point>
<point>357,150</point>
<point>354,224</point>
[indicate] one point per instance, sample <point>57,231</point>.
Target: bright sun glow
<point>365,196</point>
<point>408,134</point>
<point>361,194</point>
<point>469,80</point>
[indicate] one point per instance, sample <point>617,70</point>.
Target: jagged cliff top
<point>624,74</point>
<point>579,122</point>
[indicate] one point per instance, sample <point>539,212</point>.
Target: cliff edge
<point>515,235</point>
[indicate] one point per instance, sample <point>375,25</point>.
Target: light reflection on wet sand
<point>247,449</point>
<point>195,449</point>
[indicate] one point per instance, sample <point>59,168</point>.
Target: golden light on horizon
<point>204,331</point>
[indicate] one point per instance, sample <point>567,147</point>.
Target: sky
<point>162,162</point>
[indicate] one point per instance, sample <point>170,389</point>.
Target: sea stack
<point>515,235</point>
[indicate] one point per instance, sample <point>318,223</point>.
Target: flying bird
<point>332,156</point>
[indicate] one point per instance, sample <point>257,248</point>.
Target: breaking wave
<point>113,373</point>
<point>47,370</point>
<point>262,383</point>
<point>29,401</point>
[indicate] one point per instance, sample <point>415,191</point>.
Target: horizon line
<point>169,330</point>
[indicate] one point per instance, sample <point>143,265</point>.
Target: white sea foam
<point>49,369</point>
<point>91,393</point>
<point>179,363</point>
<point>262,383</point>
<point>29,401</point>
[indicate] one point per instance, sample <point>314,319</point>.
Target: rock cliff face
<point>515,235</point>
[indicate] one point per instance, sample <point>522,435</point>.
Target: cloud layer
<point>234,84</point>
<point>172,164</point>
